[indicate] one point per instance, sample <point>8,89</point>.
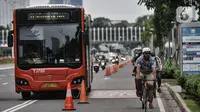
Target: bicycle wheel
<point>145,106</point>
<point>154,89</point>
<point>144,100</point>
<point>142,105</point>
<point>154,92</point>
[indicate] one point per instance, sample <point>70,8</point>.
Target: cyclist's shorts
<point>148,77</point>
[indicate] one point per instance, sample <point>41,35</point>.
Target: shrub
<point>6,60</point>
<point>169,69</point>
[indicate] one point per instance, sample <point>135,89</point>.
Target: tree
<point>164,14</point>
<point>146,35</point>
<point>140,20</point>
<point>2,28</point>
<point>101,22</point>
<point>123,23</point>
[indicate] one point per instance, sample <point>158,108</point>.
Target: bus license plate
<point>47,85</point>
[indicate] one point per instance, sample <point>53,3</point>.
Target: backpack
<point>158,64</point>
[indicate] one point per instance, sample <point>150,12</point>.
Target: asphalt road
<point>114,93</point>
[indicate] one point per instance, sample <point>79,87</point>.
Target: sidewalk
<point>174,91</point>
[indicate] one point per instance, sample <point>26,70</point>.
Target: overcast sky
<point>112,9</point>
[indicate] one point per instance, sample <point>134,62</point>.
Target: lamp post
<point>151,40</point>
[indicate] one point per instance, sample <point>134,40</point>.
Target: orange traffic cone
<point>69,105</point>
<point>108,72</point>
<point>83,97</point>
<point>117,68</point>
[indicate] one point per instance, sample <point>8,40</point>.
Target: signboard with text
<point>190,48</point>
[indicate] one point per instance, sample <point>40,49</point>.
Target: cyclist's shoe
<point>150,105</point>
<point>159,90</point>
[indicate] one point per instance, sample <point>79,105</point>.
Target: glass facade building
<point>71,2</point>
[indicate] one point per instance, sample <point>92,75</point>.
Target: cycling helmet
<point>146,49</point>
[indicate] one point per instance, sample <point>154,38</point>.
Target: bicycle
<point>145,91</point>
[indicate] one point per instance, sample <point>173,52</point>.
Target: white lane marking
<point>5,83</point>
<point>106,78</point>
<point>23,106</point>
<point>5,68</point>
<point>7,110</point>
<point>160,104</point>
<point>11,74</point>
<point>113,94</point>
<point>2,75</point>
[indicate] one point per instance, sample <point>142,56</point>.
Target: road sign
<point>184,14</point>
<point>190,48</point>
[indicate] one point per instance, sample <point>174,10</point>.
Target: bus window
<point>52,43</point>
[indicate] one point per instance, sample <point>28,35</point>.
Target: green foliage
<point>6,60</point>
<point>2,28</point>
<point>146,35</point>
<point>170,69</point>
<point>191,83</point>
<point>101,22</point>
<point>122,24</point>
<point>140,20</point>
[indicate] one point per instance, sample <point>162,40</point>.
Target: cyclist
<point>134,61</point>
<point>146,67</point>
<point>137,82</point>
<point>158,70</point>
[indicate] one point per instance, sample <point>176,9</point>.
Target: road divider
<point>111,69</point>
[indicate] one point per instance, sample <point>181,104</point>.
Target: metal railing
<point>116,34</point>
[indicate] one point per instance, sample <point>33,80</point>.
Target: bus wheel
<point>26,95</point>
<point>76,94</point>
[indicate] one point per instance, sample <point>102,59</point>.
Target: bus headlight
<point>77,80</point>
<point>22,82</point>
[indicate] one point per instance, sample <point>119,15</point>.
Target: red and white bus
<point>51,47</point>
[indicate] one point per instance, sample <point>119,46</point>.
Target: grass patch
<point>173,83</point>
<point>194,107</point>
<point>6,61</point>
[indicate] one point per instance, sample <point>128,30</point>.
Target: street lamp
<point>151,41</point>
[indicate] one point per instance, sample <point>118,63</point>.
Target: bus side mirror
<point>10,39</point>
<point>86,38</point>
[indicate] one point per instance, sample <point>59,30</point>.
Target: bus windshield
<point>49,45</point>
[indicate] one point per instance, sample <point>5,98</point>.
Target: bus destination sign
<point>49,16</point>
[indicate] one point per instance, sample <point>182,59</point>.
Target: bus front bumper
<point>46,86</point>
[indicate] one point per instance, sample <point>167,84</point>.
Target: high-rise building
<point>6,10</point>
<point>71,2</point>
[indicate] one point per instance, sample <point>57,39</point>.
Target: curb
<point>177,98</point>
<point>6,68</point>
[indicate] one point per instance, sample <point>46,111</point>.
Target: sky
<point>112,9</point>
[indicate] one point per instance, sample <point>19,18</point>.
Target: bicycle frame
<point>145,95</point>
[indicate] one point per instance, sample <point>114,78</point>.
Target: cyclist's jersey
<point>145,66</point>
